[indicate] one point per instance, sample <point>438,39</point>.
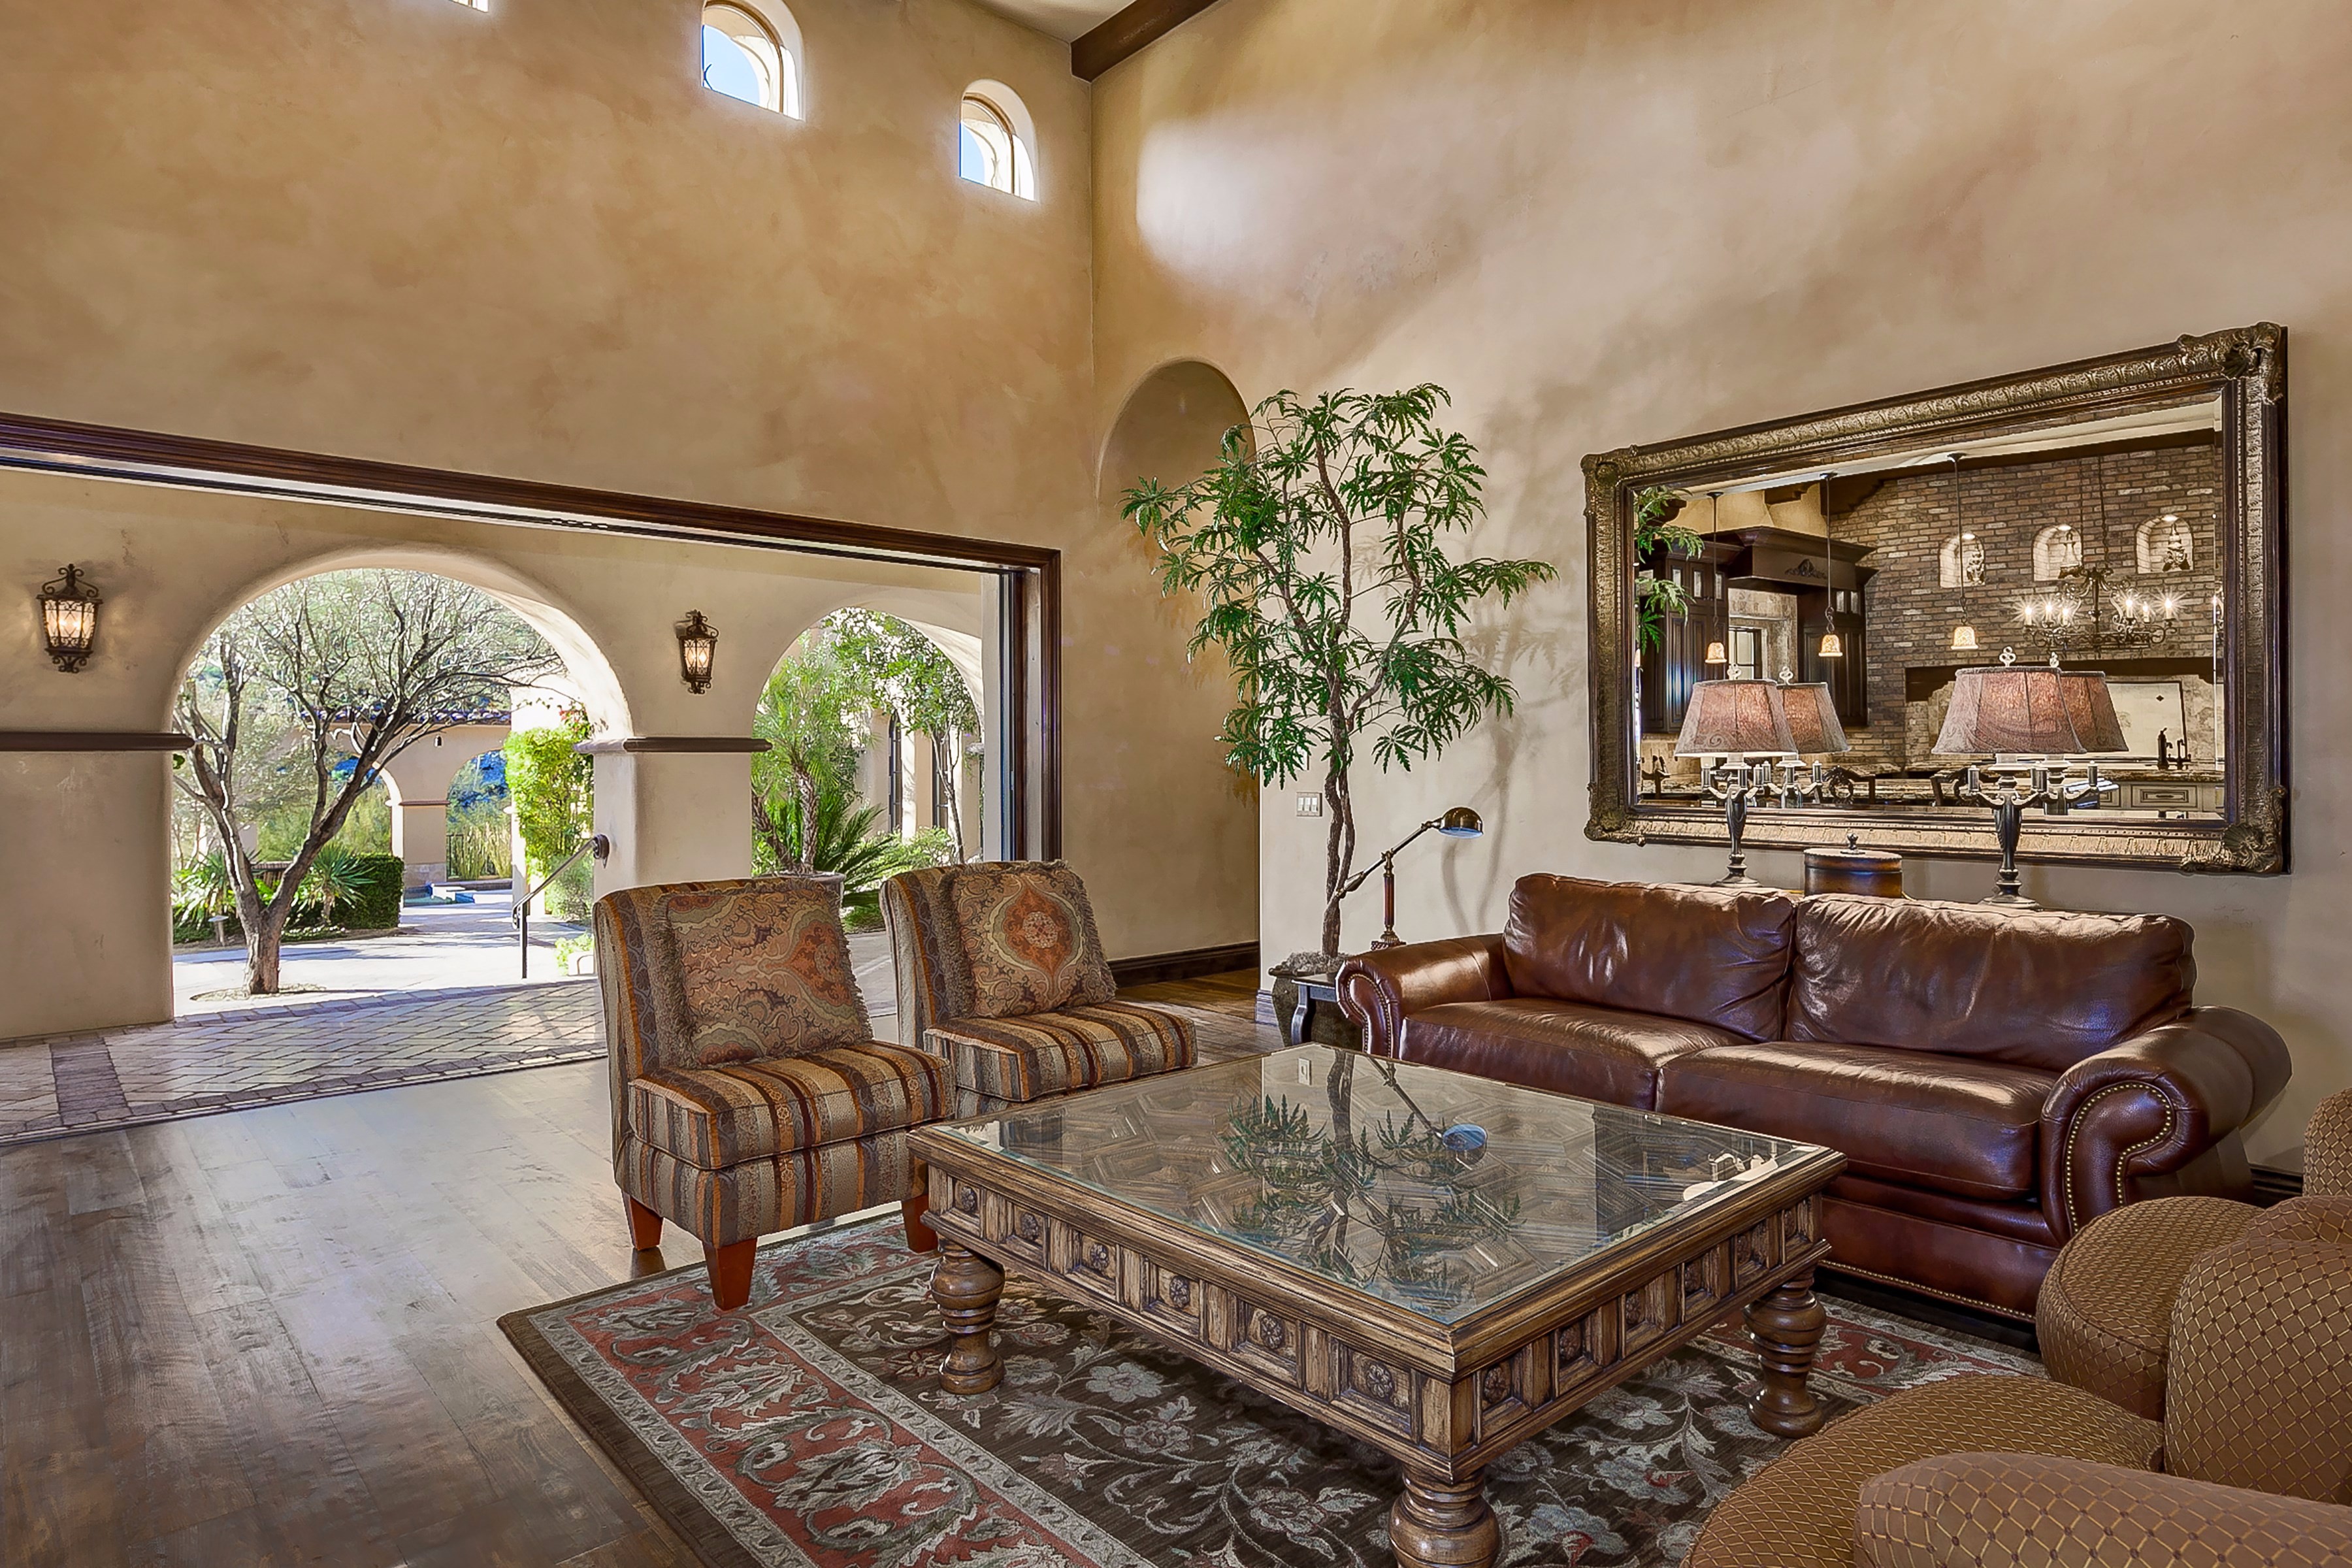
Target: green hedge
<point>377,908</point>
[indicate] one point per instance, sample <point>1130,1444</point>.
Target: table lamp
<point>1459,821</point>
<point>1743,721</point>
<point>2035,714</point>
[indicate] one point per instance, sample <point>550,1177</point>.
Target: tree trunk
<point>265,933</point>
<point>1341,849</point>
<point>805,784</point>
<point>943,769</point>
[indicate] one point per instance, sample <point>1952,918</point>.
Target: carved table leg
<point>966,1287</point>
<point>1787,1326</point>
<point>1444,1524</point>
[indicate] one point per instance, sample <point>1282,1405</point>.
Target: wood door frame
<point>1032,574</point>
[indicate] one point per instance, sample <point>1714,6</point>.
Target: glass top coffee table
<point>1439,1265</point>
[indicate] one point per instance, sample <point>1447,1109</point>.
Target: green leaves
<point>1318,543</point>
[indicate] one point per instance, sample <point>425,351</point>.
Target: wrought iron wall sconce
<point>70,618</point>
<point>697,645</point>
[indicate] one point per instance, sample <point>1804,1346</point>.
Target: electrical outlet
<point>1310,805</point>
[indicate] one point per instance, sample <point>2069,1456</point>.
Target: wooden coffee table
<point>1436,1264</point>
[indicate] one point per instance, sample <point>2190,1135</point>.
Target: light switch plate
<point>1310,805</point>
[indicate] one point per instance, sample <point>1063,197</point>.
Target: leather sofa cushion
<point>1968,1127</point>
<point>2037,988</point>
<point>1568,1047</point>
<point>1715,955</point>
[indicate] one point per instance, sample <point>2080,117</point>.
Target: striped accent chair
<point>1002,979</point>
<point>749,1094</point>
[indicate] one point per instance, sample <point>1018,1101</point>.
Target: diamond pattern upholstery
<point>1798,1511</point>
<point>2105,1309</point>
<point>2260,1391</point>
<point>2327,1147</point>
<point>1973,1511</point>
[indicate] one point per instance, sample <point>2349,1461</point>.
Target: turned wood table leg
<point>1787,1326</point>
<point>1444,1524</point>
<point>966,1287</point>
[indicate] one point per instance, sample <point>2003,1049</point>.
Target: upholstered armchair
<point>2200,1354</point>
<point>1002,978</point>
<point>749,1094</point>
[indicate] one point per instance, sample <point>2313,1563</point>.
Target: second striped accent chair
<point>749,1094</point>
<point>1002,978</point>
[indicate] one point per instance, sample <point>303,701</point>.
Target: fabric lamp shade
<point>2091,709</point>
<point>1813,717</point>
<point>1734,717</point>
<point>1996,709</point>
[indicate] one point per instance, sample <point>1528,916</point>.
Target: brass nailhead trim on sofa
<point>2075,1131</point>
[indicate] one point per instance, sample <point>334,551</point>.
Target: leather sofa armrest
<point>1378,989</point>
<point>2151,1105</point>
<point>1965,1511</point>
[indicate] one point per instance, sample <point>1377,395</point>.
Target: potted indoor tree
<point>1318,544</point>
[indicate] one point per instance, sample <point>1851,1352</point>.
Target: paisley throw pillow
<point>763,971</point>
<point>1029,934</point>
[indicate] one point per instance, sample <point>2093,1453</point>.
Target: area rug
<point>811,1430</point>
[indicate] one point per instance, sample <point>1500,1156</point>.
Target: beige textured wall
<point>1600,223</point>
<point>530,243</point>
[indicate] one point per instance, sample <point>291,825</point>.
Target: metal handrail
<point>597,845</point>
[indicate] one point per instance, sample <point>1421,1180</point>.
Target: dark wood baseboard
<point>1151,968</point>
<point>1895,1301</point>
<point>2273,1185</point>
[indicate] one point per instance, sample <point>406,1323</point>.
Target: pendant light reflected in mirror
<point>1717,656</point>
<point>1964,635</point>
<point>1833,646</point>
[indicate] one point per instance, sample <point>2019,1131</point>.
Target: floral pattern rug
<point>810,1430</point>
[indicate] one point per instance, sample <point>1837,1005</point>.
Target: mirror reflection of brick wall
<point>1907,518</point>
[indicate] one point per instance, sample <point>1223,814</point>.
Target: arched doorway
<point>877,763</point>
<point>333,712</point>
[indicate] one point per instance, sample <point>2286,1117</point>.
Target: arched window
<point>753,55</point>
<point>2057,550</point>
<point>1962,561</point>
<point>2165,545</point>
<point>994,139</point>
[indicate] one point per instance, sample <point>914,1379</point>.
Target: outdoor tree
<point>1318,541</point>
<point>554,791</point>
<point>811,716</point>
<point>907,673</point>
<point>360,665</point>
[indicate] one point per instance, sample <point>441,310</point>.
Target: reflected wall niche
<point>2123,515</point>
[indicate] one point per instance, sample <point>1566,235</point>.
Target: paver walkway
<point>229,1061</point>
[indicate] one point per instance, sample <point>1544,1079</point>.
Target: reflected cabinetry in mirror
<point>2121,517</point>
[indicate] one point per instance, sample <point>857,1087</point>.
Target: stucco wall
<point>1600,223</point>
<point>530,243</point>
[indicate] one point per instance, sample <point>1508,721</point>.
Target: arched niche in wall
<point>1169,428</point>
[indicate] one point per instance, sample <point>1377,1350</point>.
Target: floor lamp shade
<point>2042,712</point>
<point>1734,717</point>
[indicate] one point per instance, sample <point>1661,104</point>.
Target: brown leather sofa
<point>1996,1079</point>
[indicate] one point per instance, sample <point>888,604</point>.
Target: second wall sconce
<point>70,618</point>
<point>698,644</point>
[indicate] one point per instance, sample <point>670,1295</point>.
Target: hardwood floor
<point>269,1336</point>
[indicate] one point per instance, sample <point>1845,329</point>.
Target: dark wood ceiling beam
<point>1128,31</point>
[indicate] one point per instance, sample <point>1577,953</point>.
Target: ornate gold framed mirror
<point>2123,515</point>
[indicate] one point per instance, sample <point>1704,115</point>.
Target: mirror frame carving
<point>2246,368</point>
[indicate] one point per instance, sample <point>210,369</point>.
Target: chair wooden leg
<point>920,1236</point>
<point>644,1226</point>
<point>730,1271</point>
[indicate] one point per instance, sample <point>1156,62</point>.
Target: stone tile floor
<point>230,1060</point>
